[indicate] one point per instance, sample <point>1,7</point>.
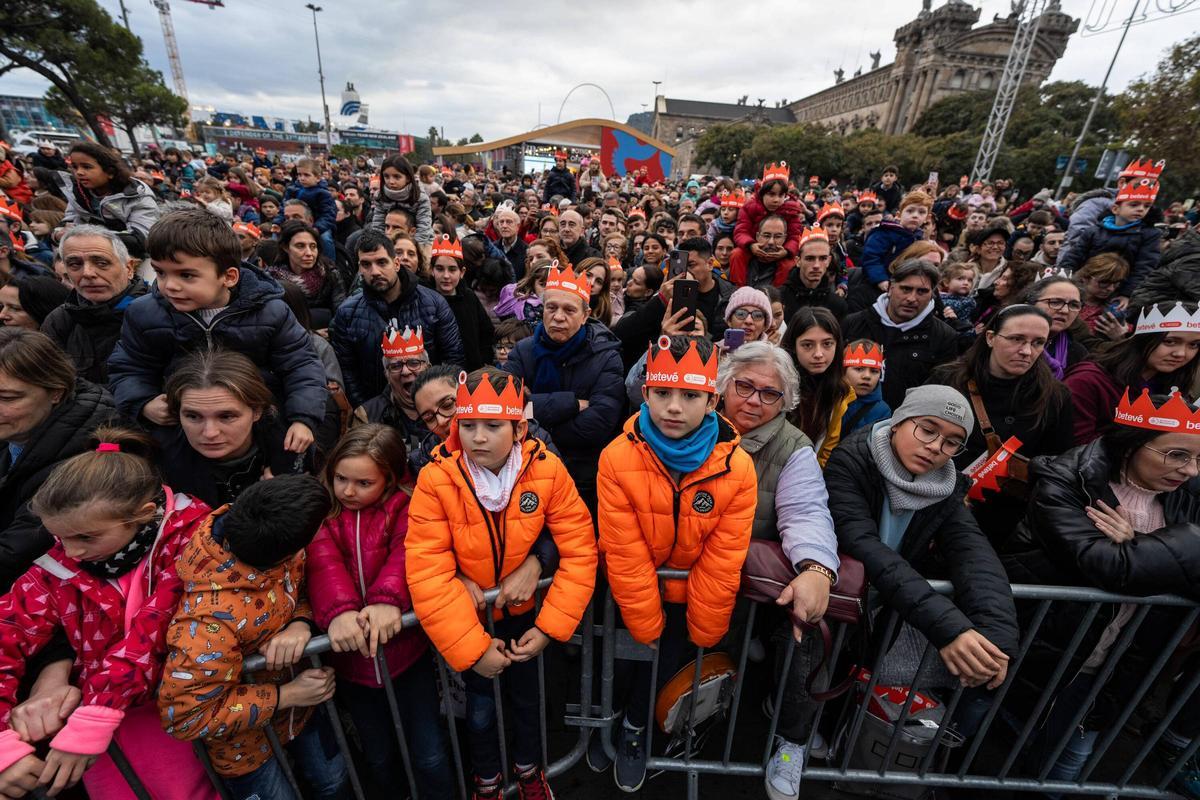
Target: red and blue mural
<point>621,152</point>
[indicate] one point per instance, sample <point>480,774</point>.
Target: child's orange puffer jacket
<point>701,524</point>
<point>450,532</point>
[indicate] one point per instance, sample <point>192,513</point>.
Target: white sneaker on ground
<point>782,779</point>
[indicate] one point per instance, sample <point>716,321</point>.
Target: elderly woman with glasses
<point>897,503</point>
<point>1119,514</point>
<point>1013,392</point>
<point>758,387</point>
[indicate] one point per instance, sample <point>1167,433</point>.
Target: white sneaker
<point>782,777</point>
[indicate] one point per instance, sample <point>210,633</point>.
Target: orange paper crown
<point>248,228</point>
<point>560,154</point>
<point>830,210</point>
<point>1139,190</point>
<point>868,197</point>
<point>690,372</point>
<point>567,281</point>
<point>1144,168</point>
<point>1173,416</point>
<point>614,264</point>
<point>862,356</point>
<point>734,199</point>
<point>776,172</point>
<point>484,403</point>
<point>410,344</point>
<point>10,211</point>
<point>637,212</point>
<point>814,234</point>
<point>553,210</point>
<point>444,247</point>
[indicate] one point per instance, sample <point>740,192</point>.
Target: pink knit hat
<point>748,296</point>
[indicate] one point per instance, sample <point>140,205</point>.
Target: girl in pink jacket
<point>359,590</point>
<point>109,585</point>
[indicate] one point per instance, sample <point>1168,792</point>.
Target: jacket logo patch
<point>529,502</point>
<point>703,502</point>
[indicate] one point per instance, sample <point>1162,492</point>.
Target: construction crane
<point>168,29</point>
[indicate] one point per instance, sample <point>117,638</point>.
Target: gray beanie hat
<point>934,400</point>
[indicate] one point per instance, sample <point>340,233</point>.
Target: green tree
<point>476,139</point>
<point>808,150</point>
<point>435,140</point>
<point>422,152</point>
<point>66,42</point>
<point>722,146</point>
<point>129,99</point>
<point>347,152</point>
<point>1161,116</point>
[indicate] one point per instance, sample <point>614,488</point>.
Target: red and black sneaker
<point>491,789</point>
<point>532,785</point>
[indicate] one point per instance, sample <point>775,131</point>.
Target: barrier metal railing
<point>995,728</point>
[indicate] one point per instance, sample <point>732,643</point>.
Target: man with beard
<point>403,358</point>
<point>392,296</point>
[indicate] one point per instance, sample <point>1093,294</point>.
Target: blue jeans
<point>417,700</point>
<point>519,684</point>
<point>327,246</point>
<point>316,755</point>
<point>1081,742</point>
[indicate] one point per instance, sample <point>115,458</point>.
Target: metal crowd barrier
<point>1001,733</point>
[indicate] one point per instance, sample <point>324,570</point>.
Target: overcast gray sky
<point>471,67</point>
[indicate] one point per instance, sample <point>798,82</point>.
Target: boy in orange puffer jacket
<point>477,511</point>
<point>674,491</point>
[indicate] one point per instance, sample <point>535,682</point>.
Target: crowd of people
<point>246,402</point>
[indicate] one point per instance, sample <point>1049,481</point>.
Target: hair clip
<point>108,447</point>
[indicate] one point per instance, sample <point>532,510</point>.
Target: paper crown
<point>734,199</point>
<point>442,246</point>
<point>10,211</point>
<point>958,211</point>
<point>868,197</point>
<point>636,212</point>
<point>1173,416</point>
<point>1179,318</point>
<point>560,154</point>
<point>410,344</point>
<point>690,372</point>
<point>830,210</point>
<point>248,228</point>
<point>567,281</point>
<point>862,356</point>
<point>776,172</point>
<point>1144,168</point>
<point>485,403</point>
<point>1140,190</point>
<point>552,210</point>
<point>814,234</point>
<point>614,264</point>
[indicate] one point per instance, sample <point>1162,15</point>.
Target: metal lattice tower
<point>168,29</point>
<point>1006,92</point>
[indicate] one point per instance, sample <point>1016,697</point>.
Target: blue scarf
<point>549,356</point>
<point>1110,223</point>
<point>680,455</point>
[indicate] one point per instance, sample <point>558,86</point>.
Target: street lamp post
<point>321,74</point>
<point>654,104</point>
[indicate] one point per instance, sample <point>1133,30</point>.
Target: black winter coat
<point>560,181</point>
<point>474,327</point>
<point>257,323</point>
<point>911,355</point>
<point>796,296</point>
<point>65,433</point>
<point>88,332</point>
<point>579,251</point>
<point>594,373</point>
<point>940,538</point>
<point>1138,245</point>
<point>1176,278</point>
<point>357,330</point>
<point>1059,545</point>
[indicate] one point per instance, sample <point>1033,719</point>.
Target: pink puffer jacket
<point>356,560</point>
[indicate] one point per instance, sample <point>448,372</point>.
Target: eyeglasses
<point>1058,304</point>
<point>993,245</point>
<point>413,364</point>
<point>1175,459</point>
<point>444,410</point>
<point>1019,341</point>
<point>927,434</point>
<point>754,314</point>
<point>766,396</point>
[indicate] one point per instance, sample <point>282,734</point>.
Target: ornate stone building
<point>939,53</point>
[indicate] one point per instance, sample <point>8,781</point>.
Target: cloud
<point>499,70</point>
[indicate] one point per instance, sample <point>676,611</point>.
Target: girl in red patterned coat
<point>359,590</point>
<point>109,585</point>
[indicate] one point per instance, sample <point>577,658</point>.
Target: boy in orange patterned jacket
<point>243,575</point>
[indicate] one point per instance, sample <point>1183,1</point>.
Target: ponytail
<point>117,474</point>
